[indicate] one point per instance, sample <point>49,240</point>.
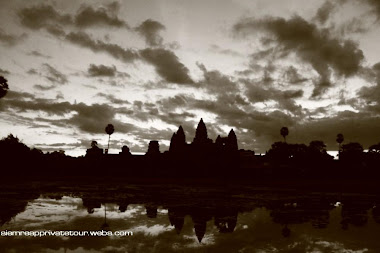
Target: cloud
<point>111,98</point>
<point>376,7</point>
<point>292,76</point>
<point>53,75</point>
<point>215,82</point>
<point>315,46</point>
<point>101,70</point>
<point>43,87</point>
<point>90,17</point>
<point>325,11</point>
<point>88,118</point>
<point>38,54</point>
<point>42,16</point>
<point>150,30</point>
<point>84,40</point>
<point>167,65</point>
<point>10,39</point>
<point>46,16</point>
<point>4,72</point>
<point>217,49</point>
<point>371,94</point>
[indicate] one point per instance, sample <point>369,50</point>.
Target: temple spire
<point>201,133</point>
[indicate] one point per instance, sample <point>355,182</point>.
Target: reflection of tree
<point>376,214</point>
<point>151,210</point>
<point>354,213</point>
<point>105,225</point>
<point>12,204</point>
<point>226,221</point>
<point>315,211</point>
<point>91,202</point>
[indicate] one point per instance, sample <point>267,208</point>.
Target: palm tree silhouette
<point>339,139</point>
<point>284,132</point>
<point>109,130</point>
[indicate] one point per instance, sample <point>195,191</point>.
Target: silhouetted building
<point>153,148</point>
<point>178,141</point>
<point>94,151</point>
<point>201,137</point>
<point>125,151</point>
<point>203,149</point>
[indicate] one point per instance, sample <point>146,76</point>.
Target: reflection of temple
<point>204,205</point>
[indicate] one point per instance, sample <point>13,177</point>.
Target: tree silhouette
<point>352,152</point>
<point>339,139</point>
<point>94,144</point>
<point>3,86</point>
<point>284,132</point>
<point>109,130</point>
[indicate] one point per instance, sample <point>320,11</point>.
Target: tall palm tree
<point>339,139</point>
<point>284,132</point>
<point>109,130</point>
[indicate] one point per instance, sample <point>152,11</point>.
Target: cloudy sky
<point>149,66</point>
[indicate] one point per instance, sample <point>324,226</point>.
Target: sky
<point>149,66</point>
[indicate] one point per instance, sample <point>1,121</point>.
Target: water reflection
<point>180,218</point>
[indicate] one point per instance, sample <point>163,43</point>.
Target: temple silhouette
<point>200,158</point>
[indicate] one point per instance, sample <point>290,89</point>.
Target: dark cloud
<point>101,70</point>
<point>53,75</point>
<point>150,30</point>
<point>215,82</point>
<point>292,76</point>
<point>325,11</point>
<point>55,30</point>
<point>84,40</point>
<point>167,65</point>
<point>46,16</point>
<point>285,99</point>
<point>43,87</point>
<point>42,16</point>
<point>90,17</point>
<point>165,61</point>
<point>111,98</point>
<point>376,7</point>
<point>371,94</point>
<point>315,46</point>
<point>4,72</point>
<point>11,39</point>
<point>88,118</point>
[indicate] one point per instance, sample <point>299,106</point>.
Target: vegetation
<point>3,86</point>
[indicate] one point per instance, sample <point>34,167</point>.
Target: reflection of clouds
<point>43,211</point>
<point>208,239</point>
<point>152,230</point>
<point>324,246</point>
<point>162,211</point>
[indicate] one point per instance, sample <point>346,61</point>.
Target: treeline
<point>313,160</point>
<point>282,160</point>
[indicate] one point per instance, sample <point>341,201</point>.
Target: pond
<point>180,218</point>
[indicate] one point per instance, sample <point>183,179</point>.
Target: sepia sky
<point>149,66</point>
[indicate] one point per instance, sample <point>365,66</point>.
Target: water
<point>174,218</point>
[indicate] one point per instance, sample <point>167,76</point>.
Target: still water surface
<point>190,219</point>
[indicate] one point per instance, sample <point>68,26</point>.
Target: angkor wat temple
<point>202,145</point>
